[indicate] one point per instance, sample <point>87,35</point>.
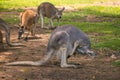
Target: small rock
<point>113,56</point>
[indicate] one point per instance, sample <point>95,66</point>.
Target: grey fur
<point>48,10</point>
<point>3,25</point>
<point>64,41</point>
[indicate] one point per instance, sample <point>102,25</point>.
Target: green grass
<point>11,19</point>
<point>15,4</point>
<point>107,26</point>
<point>103,27</point>
<point>117,63</point>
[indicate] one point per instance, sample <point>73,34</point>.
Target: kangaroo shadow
<point>34,37</point>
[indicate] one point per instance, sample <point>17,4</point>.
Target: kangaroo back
<point>47,9</point>
<point>28,18</point>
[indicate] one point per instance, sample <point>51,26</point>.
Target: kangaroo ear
<point>62,9</point>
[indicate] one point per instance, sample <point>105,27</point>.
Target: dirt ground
<point>99,68</point>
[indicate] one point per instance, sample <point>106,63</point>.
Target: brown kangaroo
<point>28,22</point>
<point>48,10</point>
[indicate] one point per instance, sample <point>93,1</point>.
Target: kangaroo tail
<point>32,63</point>
<point>24,63</point>
<point>15,44</point>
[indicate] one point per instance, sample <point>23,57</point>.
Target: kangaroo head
<point>20,32</point>
<point>86,50</point>
<point>59,13</point>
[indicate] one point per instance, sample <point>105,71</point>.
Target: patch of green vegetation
<point>102,11</point>
<point>113,44</point>
<point>11,19</point>
<point>117,63</point>
<point>14,4</point>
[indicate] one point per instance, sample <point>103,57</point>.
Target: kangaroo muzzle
<point>20,32</point>
<point>91,53</point>
<point>87,51</point>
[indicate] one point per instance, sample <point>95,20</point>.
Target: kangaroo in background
<point>64,42</point>
<point>1,41</point>
<point>48,10</point>
<point>4,26</point>
<point>28,20</point>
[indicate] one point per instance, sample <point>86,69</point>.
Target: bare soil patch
<point>91,69</point>
<point>100,68</point>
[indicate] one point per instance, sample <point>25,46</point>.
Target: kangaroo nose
<point>60,17</point>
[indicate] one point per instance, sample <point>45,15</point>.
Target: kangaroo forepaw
<point>26,39</point>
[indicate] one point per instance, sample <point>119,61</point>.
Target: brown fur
<point>28,20</point>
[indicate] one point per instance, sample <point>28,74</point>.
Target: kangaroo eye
<point>56,13</point>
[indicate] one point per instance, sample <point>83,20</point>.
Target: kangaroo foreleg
<point>51,23</point>
<point>76,44</point>
<point>27,34</point>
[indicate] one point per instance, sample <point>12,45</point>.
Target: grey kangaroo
<point>48,10</point>
<point>64,42</point>
<point>4,26</point>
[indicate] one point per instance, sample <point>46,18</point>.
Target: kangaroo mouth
<point>87,51</point>
<point>20,33</point>
<point>91,54</point>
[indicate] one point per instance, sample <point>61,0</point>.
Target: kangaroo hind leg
<point>63,51</point>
